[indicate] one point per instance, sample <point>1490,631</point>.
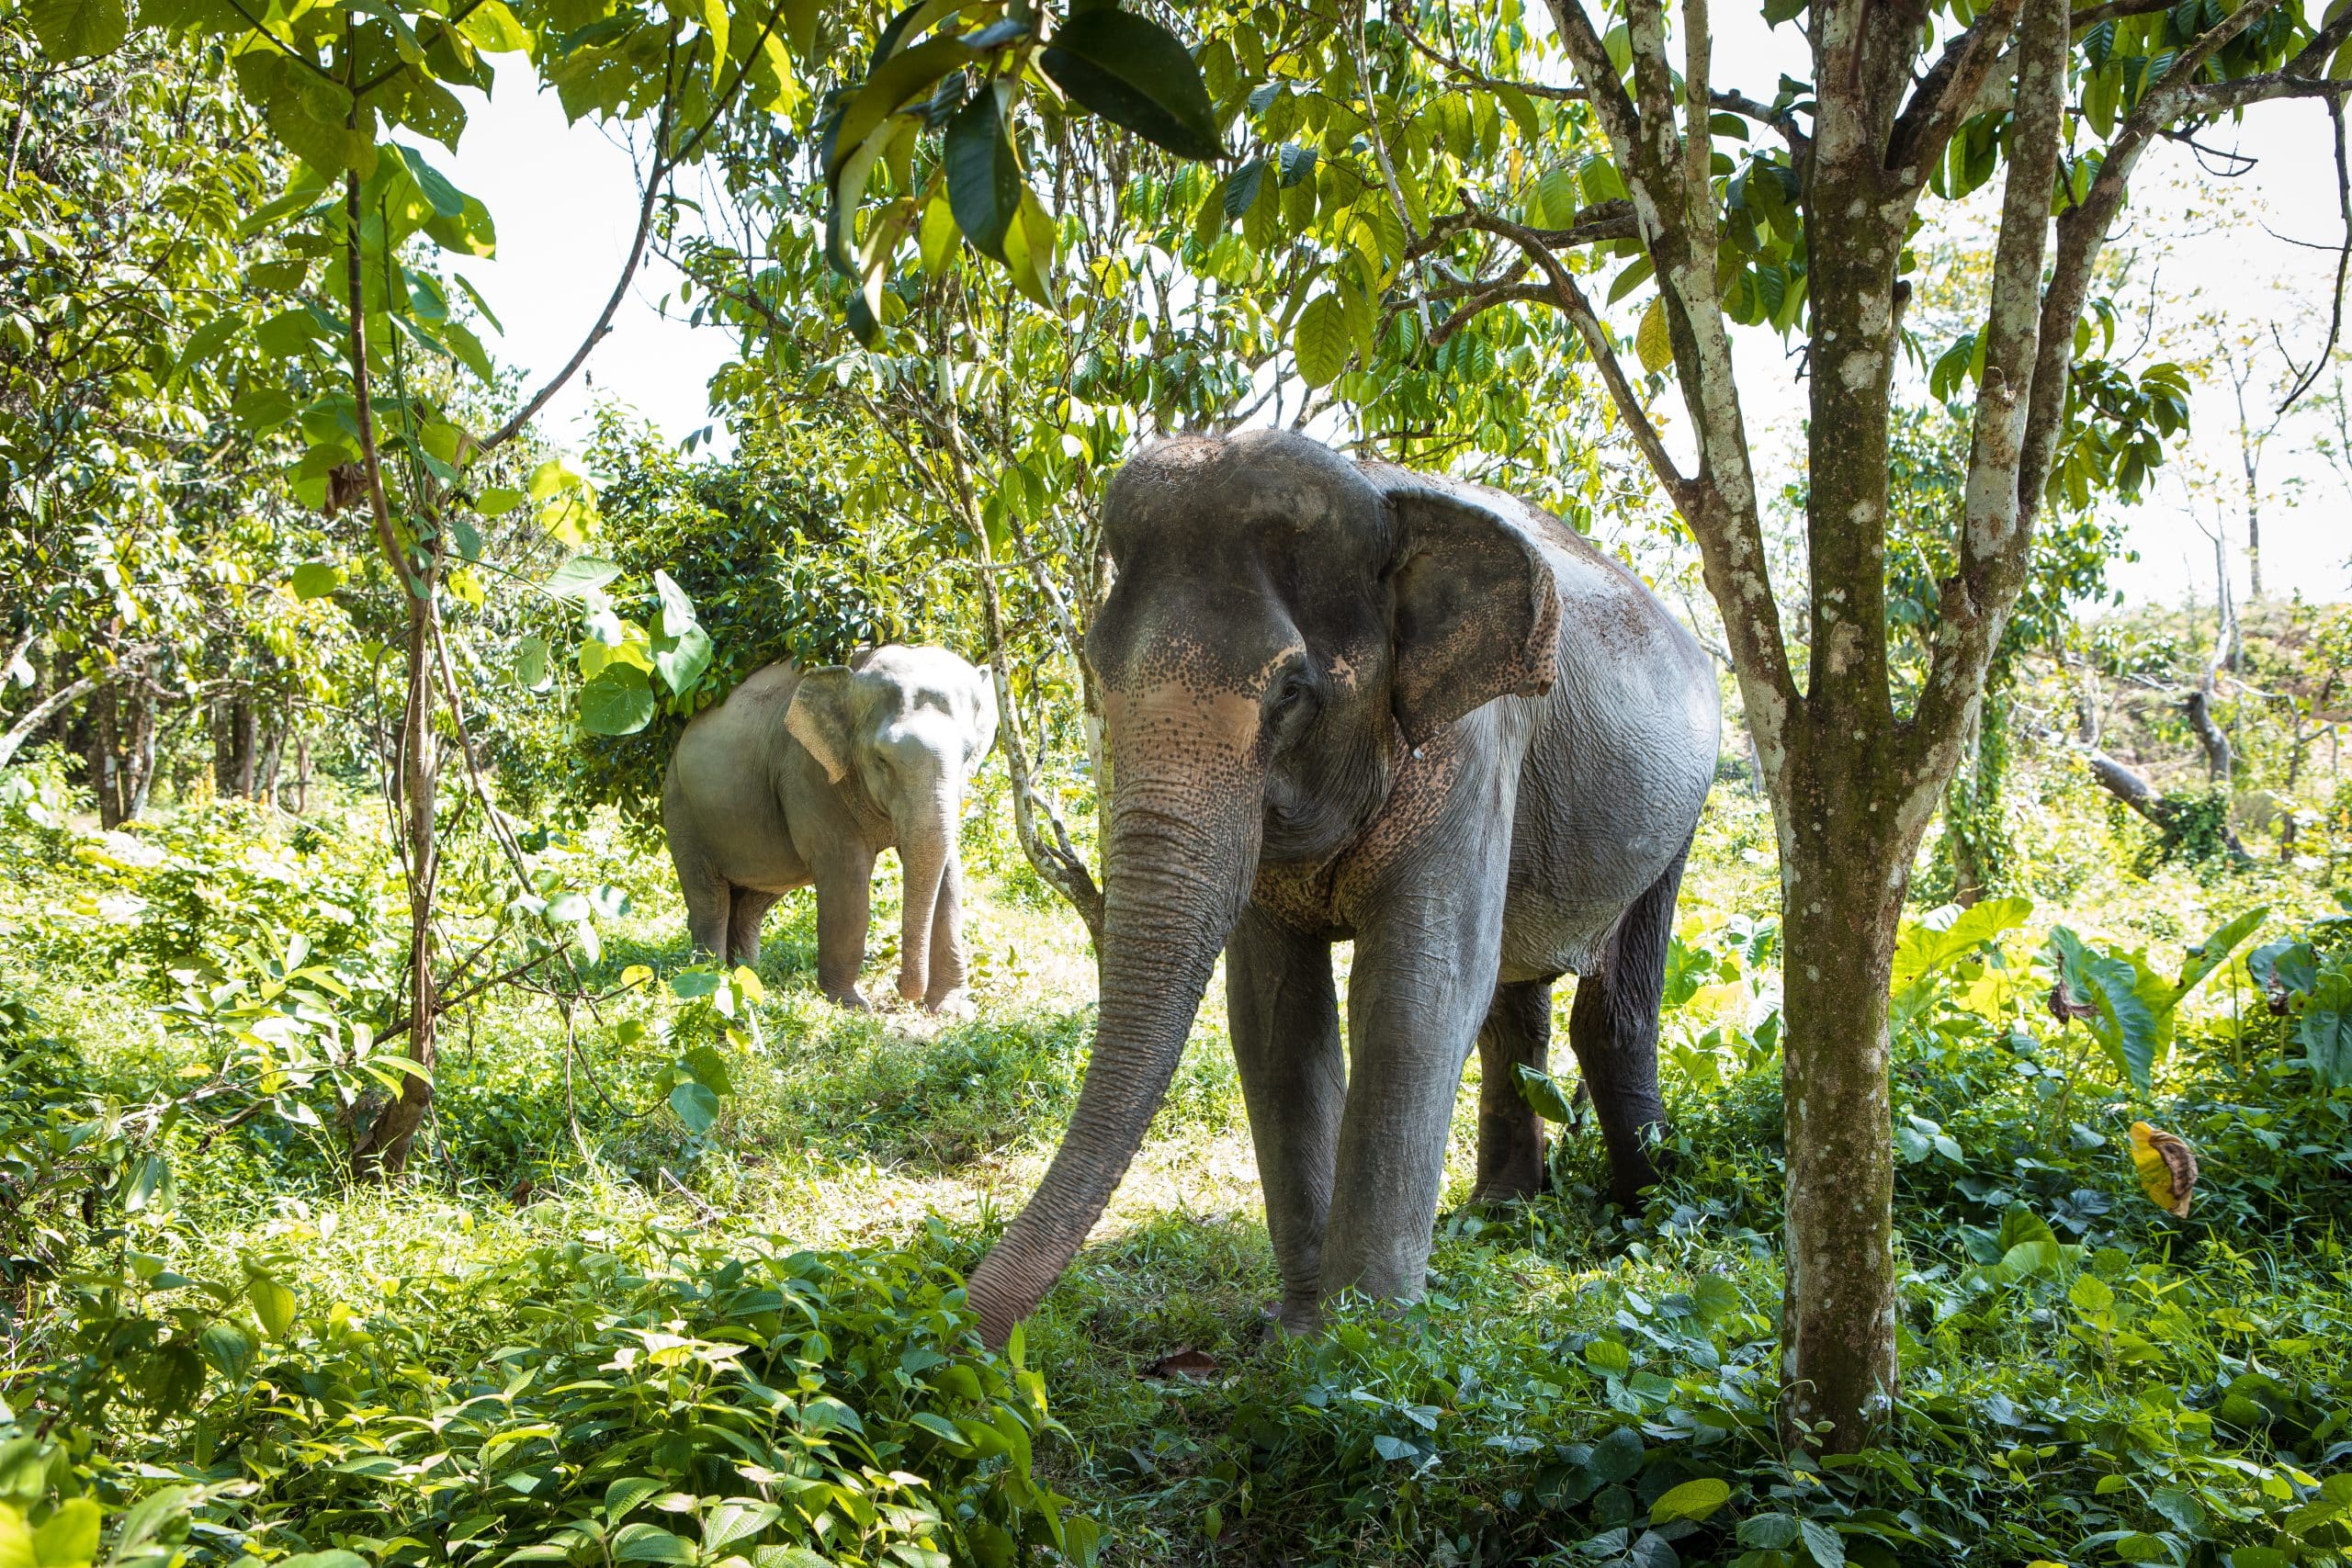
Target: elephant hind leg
<point>1612,1027</point>
<point>1518,1033</point>
<point>747,909</point>
<point>709,902</point>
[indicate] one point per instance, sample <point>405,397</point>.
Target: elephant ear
<point>820,717</point>
<point>984,716</point>
<point>1477,615</point>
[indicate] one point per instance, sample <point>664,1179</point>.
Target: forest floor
<point>2088,1378</point>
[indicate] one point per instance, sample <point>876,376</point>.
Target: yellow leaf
<point>2167,1167</point>
<point>1650,340</point>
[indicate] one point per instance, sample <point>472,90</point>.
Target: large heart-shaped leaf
<point>617,702</point>
<point>76,29</point>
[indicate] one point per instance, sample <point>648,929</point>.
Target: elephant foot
<point>954,1004</point>
<point>849,1000</point>
<point>1501,1188</point>
<point>1290,1320</point>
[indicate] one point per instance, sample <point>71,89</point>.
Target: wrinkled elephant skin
<point>804,776</point>
<point>1349,702</point>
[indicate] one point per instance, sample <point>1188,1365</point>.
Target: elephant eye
<point>1293,694</point>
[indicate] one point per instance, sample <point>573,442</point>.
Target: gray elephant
<point>1346,702</point>
<point>803,776</point>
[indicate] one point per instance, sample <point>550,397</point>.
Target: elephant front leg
<point>1517,1033</point>
<point>1284,1018</point>
<point>844,890</point>
<point>1416,995</point>
<point>947,991</point>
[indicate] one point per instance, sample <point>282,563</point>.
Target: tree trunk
<point>138,754</point>
<point>2199,706</point>
<point>265,786</point>
<point>106,759</point>
<point>381,1149</point>
<point>1845,871</point>
<point>301,772</point>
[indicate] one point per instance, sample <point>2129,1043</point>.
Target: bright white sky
<point>565,199</point>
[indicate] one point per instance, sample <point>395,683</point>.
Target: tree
<point>2068,101</point>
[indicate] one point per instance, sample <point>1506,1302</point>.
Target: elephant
<point>803,776</point>
<point>1346,702</point>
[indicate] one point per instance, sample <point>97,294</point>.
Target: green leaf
<point>1320,339</point>
<point>647,1543</point>
<point>578,577</point>
<point>2324,1029</point>
<point>619,701</point>
<point>682,663</point>
<point>2215,950</point>
<point>1618,1456</point>
<point>738,1518</point>
<point>1135,73</point>
<point>1714,1298</point>
<point>69,1537</point>
<point>208,340</point>
<point>272,1303</point>
<point>1541,1092</point>
<point>1768,1532</point>
<point>316,578</point>
<point>228,1347</point>
<point>984,186</point>
<point>1692,1500</point>
<point>76,29</point>
<point>1825,1545</point>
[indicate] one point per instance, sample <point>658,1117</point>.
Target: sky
<point>565,200</point>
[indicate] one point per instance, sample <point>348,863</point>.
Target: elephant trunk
<point>1173,886</point>
<point>926,851</point>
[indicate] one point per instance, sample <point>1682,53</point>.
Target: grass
<point>2147,1389</point>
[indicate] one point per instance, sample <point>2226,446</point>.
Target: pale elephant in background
<point>804,776</point>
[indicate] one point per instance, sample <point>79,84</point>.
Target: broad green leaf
<point>76,29</point>
<point>1320,339</point>
<point>1134,73</point>
<point>1541,1092</point>
<point>1825,1546</point>
<point>618,700</point>
<point>68,1537</point>
<point>576,578</point>
<point>696,1106</point>
<point>677,610</point>
<point>2324,1029</point>
<point>2215,950</point>
<point>647,1543</point>
<point>1692,1500</point>
<point>316,578</point>
<point>272,1303</point>
<point>984,185</point>
<point>737,1520</point>
<point>682,664</point>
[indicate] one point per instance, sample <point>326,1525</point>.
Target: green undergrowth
<point>670,1281</point>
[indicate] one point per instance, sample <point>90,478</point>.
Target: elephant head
<point>1285,625</point>
<point>907,727</point>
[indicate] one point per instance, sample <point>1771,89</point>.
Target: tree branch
<point>1946,94</point>
<point>22,730</point>
<point>1996,531</point>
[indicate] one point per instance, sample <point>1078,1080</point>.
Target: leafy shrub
<point>665,1401</point>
